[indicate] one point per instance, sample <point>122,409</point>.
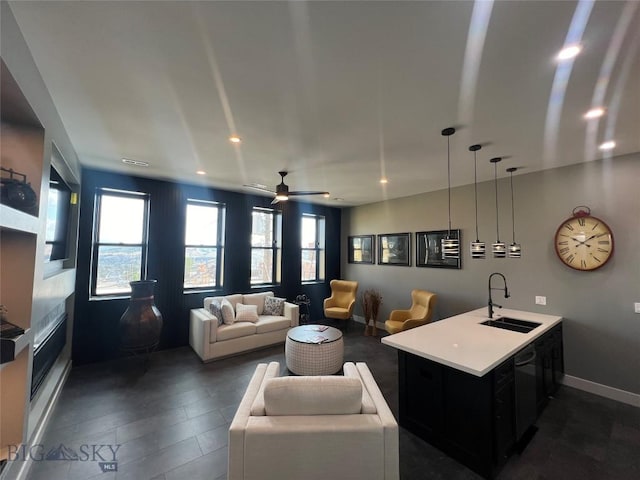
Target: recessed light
<point>137,163</point>
<point>569,52</point>
<point>201,172</point>
<point>594,113</point>
<point>234,139</point>
<point>339,199</point>
<point>384,180</point>
<point>610,145</point>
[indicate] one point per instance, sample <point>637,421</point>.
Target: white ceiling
<point>338,93</point>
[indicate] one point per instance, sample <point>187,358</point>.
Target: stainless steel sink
<point>513,324</point>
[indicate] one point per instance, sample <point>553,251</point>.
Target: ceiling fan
<point>282,192</point>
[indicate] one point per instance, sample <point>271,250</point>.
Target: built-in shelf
<point>12,219</point>
<point>11,347</point>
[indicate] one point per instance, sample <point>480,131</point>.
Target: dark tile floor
<point>171,422</point>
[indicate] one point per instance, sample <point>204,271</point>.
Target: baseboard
<point>602,390</point>
<point>360,319</point>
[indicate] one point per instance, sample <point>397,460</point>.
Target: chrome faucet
<point>506,293</point>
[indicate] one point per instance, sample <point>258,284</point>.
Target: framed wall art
<point>361,249</point>
<point>429,250</point>
<point>394,249</point>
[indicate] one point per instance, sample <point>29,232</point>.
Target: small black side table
<point>304,303</point>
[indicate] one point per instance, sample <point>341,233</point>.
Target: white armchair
<point>313,428</point>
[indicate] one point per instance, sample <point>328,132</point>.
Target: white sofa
<point>211,341</point>
<point>313,428</point>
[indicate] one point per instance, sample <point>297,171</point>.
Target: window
<point>266,228</point>
<point>120,241</point>
<point>312,236</point>
<point>203,249</point>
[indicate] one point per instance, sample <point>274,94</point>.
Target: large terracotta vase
<point>141,323</point>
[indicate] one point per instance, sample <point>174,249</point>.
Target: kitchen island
<point>473,390</point>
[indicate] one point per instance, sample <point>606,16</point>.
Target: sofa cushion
<point>215,308</point>
<point>234,299</point>
<point>271,323</point>
<point>246,313</point>
<point>257,408</point>
<point>319,395</point>
<point>368,405</point>
<point>274,306</point>
<point>235,330</point>
<point>256,299</point>
<point>228,315</point>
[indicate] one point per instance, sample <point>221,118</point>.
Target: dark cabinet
<point>474,419</point>
<point>504,412</point>
<point>549,366</point>
<point>470,418</point>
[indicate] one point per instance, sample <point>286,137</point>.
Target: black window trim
<point>276,221</point>
<point>318,219</point>
<point>95,244</point>
<point>219,246</point>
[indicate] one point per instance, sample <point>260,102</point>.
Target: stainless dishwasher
<point>525,389</point>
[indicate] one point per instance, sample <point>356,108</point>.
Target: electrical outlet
<point>636,307</point>
<point>541,300</point>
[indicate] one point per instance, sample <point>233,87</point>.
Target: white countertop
<point>462,343</point>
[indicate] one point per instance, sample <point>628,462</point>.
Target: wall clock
<point>584,242</point>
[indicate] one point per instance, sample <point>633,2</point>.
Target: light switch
<point>636,307</point>
<point>541,300</point>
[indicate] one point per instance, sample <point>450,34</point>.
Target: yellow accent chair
<point>420,312</point>
<point>342,300</point>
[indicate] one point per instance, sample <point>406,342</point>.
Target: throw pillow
<point>215,309</point>
<point>246,313</point>
<point>274,306</point>
<point>228,316</point>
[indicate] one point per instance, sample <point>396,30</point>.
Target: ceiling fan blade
<point>262,188</point>
<point>310,192</point>
<point>274,201</point>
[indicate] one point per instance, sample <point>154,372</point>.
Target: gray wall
<point>601,331</point>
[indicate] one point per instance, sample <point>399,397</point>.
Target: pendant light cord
<point>513,218</point>
<point>495,181</point>
<point>475,187</point>
<point>449,185</point>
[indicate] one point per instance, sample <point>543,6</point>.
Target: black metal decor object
<point>17,193</point>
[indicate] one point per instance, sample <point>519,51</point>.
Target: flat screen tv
<point>58,208</point>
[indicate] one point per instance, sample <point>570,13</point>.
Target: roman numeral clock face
<point>584,243</point>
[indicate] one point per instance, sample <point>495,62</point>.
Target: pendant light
<point>515,250</point>
<point>478,248</point>
<point>498,248</point>
<point>450,246</point>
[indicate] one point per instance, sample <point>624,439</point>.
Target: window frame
<point>96,244</point>
<point>219,246</point>
<point>319,248</point>
<point>276,246</point>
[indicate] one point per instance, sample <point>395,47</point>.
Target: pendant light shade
<point>498,248</point>
<point>450,246</point>
<point>478,248</point>
<point>515,250</point>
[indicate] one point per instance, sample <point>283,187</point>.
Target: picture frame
<point>361,249</point>
<point>429,253</point>
<point>394,249</point>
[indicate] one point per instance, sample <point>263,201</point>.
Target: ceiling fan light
<point>281,197</point>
